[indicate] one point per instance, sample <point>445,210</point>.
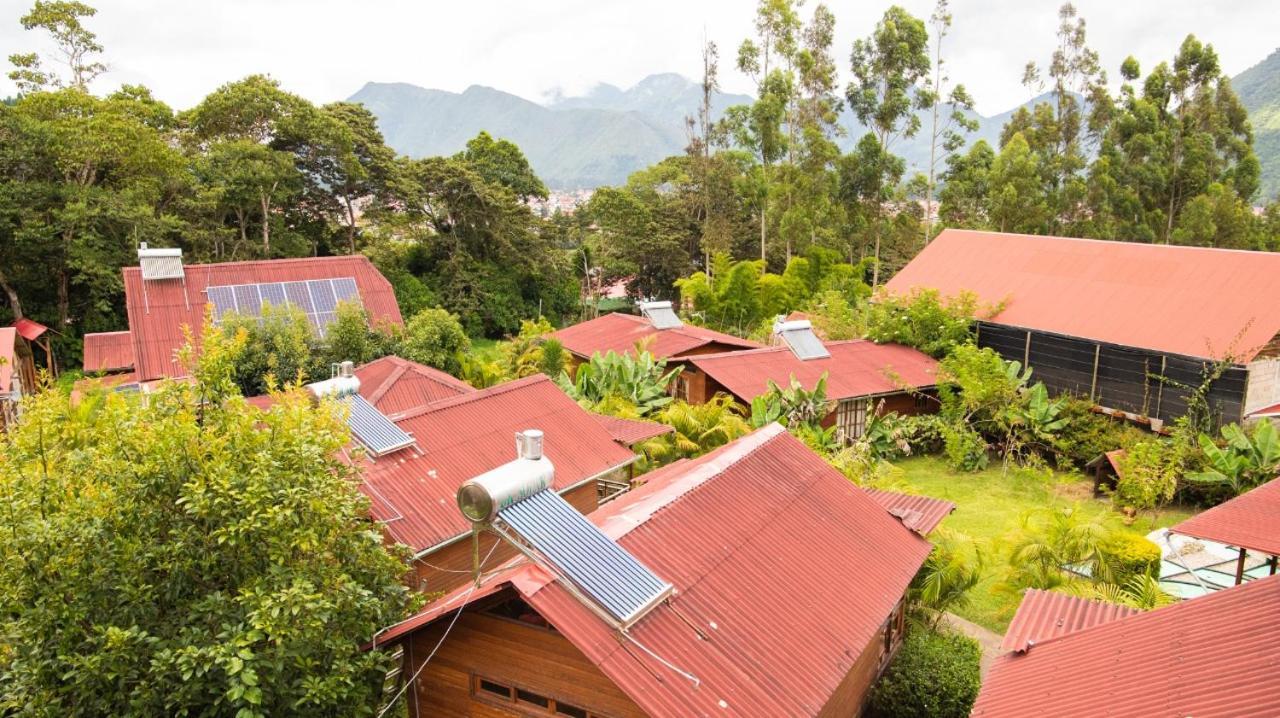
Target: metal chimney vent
<point>160,263</point>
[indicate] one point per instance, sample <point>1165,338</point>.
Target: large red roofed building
<point>1107,320</point>
<point>862,376</point>
<point>1209,657</point>
<point>162,296</point>
<point>620,333</point>
<point>1249,522</point>
<point>455,438</point>
<point>788,601</point>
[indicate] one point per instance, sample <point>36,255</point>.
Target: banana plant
<point>793,406</point>
<point>638,379</point>
<point>1242,461</point>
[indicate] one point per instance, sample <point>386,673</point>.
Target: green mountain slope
<point>1259,90</point>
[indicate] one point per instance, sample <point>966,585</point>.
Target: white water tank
<point>480,499</point>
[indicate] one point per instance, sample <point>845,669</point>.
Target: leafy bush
<point>1049,542</point>
<point>553,358</point>
<point>1243,461</point>
<point>278,348</point>
<point>924,320</point>
<point>923,433</point>
<point>965,448</point>
<point>639,380</point>
<point>934,675</point>
<point>833,317</point>
<point>858,464</point>
<point>1148,474</point>
<point>793,407</point>
<point>699,428</point>
<point>434,337</point>
<point>523,353</point>
<point>1088,434</point>
<point>1129,555</point>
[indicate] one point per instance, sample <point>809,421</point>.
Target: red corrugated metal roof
<point>8,358</point>
<point>1207,657</point>
<point>413,491</point>
<point>108,351</point>
<point>394,385</point>
<point>1273,410</point>
<point>785,567</point>
<point>29,329</point>
<point>629,431</point>
<point>1047,614</point>
<point>620,332</point>
<point>1250,520</point>
<point>158,309</point>
<point>1183,300</point>
<point>921,514</point>
<point>855,368</point>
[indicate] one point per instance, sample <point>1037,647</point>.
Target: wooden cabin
<point>862,377</point>
<point>1130,326</point>
<point>785,598</point>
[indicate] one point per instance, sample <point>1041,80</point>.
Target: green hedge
<point>934,675</point>
<point>1131,555</point>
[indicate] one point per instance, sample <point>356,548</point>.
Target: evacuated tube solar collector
<point>517,498</point>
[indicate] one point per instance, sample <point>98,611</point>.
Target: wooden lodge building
<point>658,330</point>
<point>1208,657</point>
<point>862,377</point>
<point>781,594</point>
<point>1129,326</point>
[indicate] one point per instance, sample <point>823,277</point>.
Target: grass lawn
<point>989,504</point>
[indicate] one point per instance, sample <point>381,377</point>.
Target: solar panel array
<point>317,298</point>
<point>661,315</point>
<point>598,566</point>
<point>804,343</point>
<point>378,434</point>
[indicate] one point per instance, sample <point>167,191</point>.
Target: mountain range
<point>602,136</point>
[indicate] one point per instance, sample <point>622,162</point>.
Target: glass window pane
<point>532,698</point>
<point>496,689</point>
<point>564,709</point>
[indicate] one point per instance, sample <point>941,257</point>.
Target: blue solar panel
<point>322,295</point>
<point>317,298</point>
<point>375,431</point>
<point>598,566</point>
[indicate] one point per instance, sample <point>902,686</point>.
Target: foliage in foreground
<point>190,554</point>
<point>637,380</point>
<point>934,675</point>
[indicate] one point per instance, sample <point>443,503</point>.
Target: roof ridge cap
<point>466,397</point>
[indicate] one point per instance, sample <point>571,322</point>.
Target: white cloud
<point>325,49</point>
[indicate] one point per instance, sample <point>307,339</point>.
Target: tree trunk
<point>12,294</point>
<point>266,227</point>
<point>351,227</point>
<point>64,298</point>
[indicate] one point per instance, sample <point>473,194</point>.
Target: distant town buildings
<point>562,201</point>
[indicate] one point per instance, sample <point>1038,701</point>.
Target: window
<point>488,690</point>
<point>851,418</point>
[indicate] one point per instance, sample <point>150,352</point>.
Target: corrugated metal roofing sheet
<point>749,535</point>
<point>8,358</point>
<point>1206,657</point>
<point>630,431</point>
<point>1250,520</point>
<point>108,351</point>
<point>1183,300</point>
<point>855,368</point>
<point>1268,411</point>
<point>159,309</point>
<point>413,491</point>
<point>30,329</point>
<point>921,514</point>
<point>1047,614</point>
<point>620,332</point>
<point>394,385</point>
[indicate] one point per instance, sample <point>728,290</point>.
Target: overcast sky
<point>326,49</point>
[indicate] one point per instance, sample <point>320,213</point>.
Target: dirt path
<point>989,640</point>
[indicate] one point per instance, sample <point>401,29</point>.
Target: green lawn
<point>988,506</point>
<point>486,349</point>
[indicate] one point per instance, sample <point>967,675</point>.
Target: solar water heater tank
<point>480,499</point>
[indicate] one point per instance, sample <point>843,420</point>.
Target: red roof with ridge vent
<point>620,332</point>
<point>855,368</point>
<point>158,309</point>
<point>1194,301</point>
<point>1250,520</point>
<point>1208,657</point>
<point>394,385</point>
<point>108,351</point>
<point>629,432</point>
<point>746,534</point>
<point>413,491</point>
<point>921,514</point>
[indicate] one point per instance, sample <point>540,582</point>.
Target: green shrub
<point>965,448</point>
<point>934,675</point>
<point>925,320</point>
<point>1130,555</point>
<point>434,337</point>
<point>1088,434</point>
<point>923,433</point>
